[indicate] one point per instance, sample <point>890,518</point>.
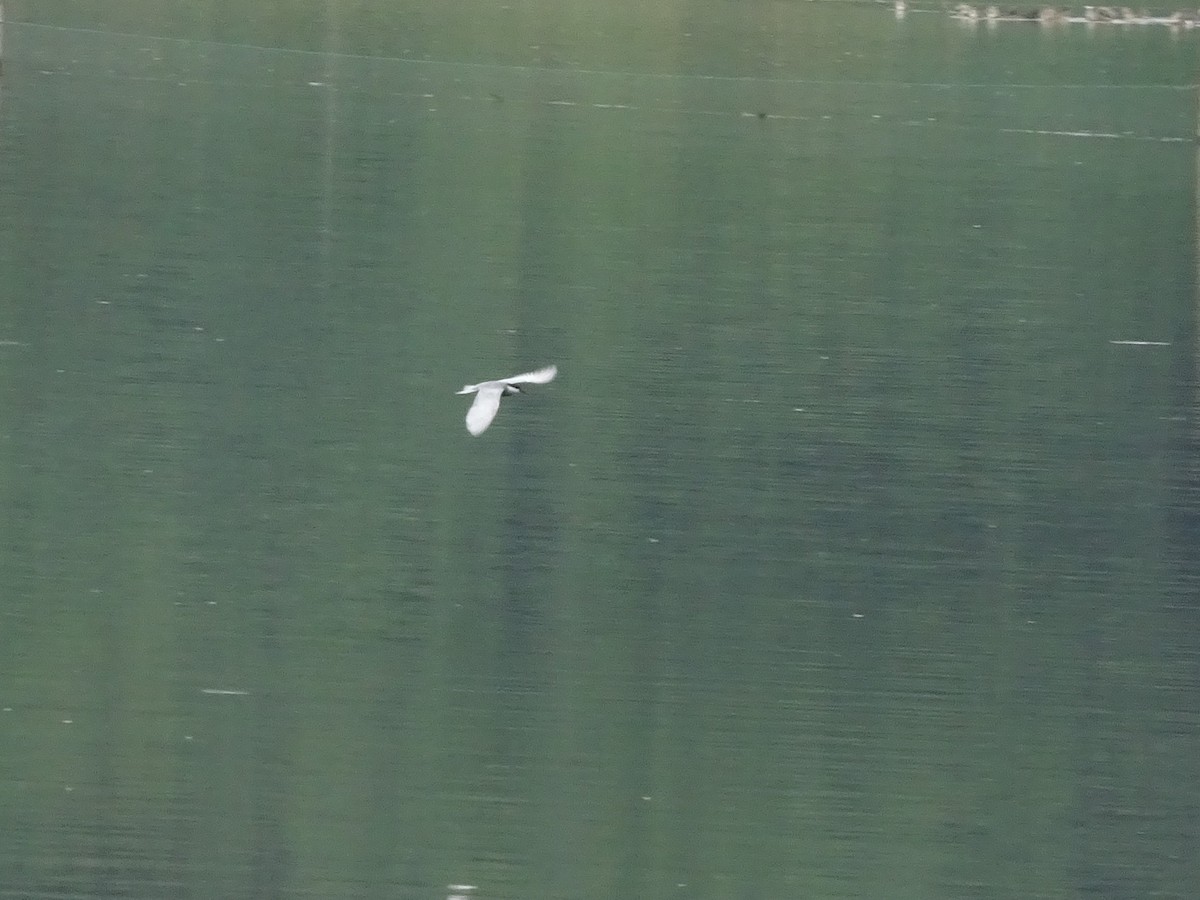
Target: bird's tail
<point>468,389</point>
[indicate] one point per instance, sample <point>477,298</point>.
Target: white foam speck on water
<point>224,692</point>
<point>1141,343</point>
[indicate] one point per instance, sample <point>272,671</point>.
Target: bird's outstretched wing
<point>483,410</point>
<point>541,376</point>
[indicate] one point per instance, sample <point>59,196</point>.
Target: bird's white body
<point>488,394</point>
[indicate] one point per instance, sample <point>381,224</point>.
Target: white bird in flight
<point>488,394</point>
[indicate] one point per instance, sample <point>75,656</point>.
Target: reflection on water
<point>851,554</point>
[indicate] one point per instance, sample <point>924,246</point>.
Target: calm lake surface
<point>853,554</point>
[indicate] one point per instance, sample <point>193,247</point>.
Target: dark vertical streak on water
<point>112,815</point>
<point>1184,508</point>
<point>1177,732</point>
<point>529,527</point>
<point>523,682</point>
<point>271,866</point>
